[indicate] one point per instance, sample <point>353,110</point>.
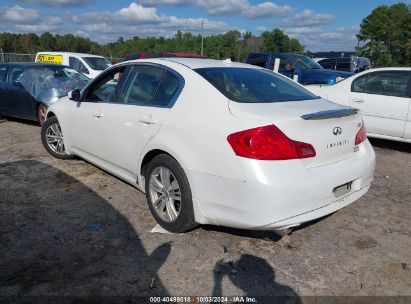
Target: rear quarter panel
<point>196,129</point>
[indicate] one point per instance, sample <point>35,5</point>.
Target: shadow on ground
<point>390,144</point>
<point>255,234</point>
<point>255,277</point>
<point>19,120</point>
<point>58,237</point>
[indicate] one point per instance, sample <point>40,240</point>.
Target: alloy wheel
<point>165,194</point>
<point>54,138</point>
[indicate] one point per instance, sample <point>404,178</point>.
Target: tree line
<point>232,44</point>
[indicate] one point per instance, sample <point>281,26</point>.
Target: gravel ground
<point>68,228</point>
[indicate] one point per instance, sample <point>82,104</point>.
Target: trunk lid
<point>330,128</point>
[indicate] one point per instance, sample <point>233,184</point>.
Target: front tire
<point>168,194</point>
<point>52,138</point>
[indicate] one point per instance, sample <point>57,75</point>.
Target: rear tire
<point>168,194</point>
<point>52,138</point>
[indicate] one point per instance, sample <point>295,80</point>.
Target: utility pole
<point>202,37</point>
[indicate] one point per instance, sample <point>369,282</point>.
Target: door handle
<point>357,100</point>
<point>147,119</point>
<point>98,115</point>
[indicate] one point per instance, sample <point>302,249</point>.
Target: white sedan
<point>216,142</point>
<point>384,97</point>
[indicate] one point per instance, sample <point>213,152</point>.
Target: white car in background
<point>88,64</point>
<point>384,97</point>
<point>216,142</point>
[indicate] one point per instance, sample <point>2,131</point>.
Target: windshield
<point>248,85</point>
<point>97,63</point>
<point>307,63</point>
<point>47,84</point>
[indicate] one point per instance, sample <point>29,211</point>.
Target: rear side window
<point>247,85</point>
<point>142,84</point>
<point>3,73</point>
<point>390,83</point>
<point>168,87</point>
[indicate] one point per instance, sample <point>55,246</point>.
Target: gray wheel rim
<point>165,194</point>
<point>54,139</point>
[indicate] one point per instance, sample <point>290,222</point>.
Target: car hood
<point>47,88</point>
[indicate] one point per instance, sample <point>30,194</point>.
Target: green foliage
<point>387,35</point>
<point>278,42</point>
<point>32,43</point>
<point>231,44</point>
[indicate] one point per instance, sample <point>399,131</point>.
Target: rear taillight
<point>361,135</point>
<point>268,143</point>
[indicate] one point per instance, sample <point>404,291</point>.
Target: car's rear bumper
<point>282,194</point>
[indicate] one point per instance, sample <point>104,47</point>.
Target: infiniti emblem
<point>337,131</point>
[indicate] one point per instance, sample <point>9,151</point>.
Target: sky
<point>320,25</point>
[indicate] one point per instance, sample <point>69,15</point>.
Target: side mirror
<point>18,83</point>
<point>74,95</point>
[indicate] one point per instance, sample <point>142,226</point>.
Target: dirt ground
<point>68,228</point>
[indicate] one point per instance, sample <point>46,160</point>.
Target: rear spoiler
<point>330,114</point>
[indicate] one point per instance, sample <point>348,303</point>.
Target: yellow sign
<point>47,58</point>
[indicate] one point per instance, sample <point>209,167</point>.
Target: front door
<point>86,134</point>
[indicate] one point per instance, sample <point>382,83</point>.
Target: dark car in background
<point>351,64</point>
<point>162,55</point>
<point>308,71</point>
<point>27,88</point>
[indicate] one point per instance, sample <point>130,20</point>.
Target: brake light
<point>361,135</point>
<point>268,143</point>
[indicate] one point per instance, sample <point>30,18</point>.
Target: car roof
<point>386,69</point>
<point>275,53</point>
<point>70,53</point>
<point>165,54</point>
<point>197,63</point>
<point>32,64</point>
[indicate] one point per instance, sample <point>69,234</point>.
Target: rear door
<point>383,98</point>
<point>134,117</point>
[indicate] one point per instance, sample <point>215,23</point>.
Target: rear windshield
<point>249,85</point>
<point>97,63</point>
